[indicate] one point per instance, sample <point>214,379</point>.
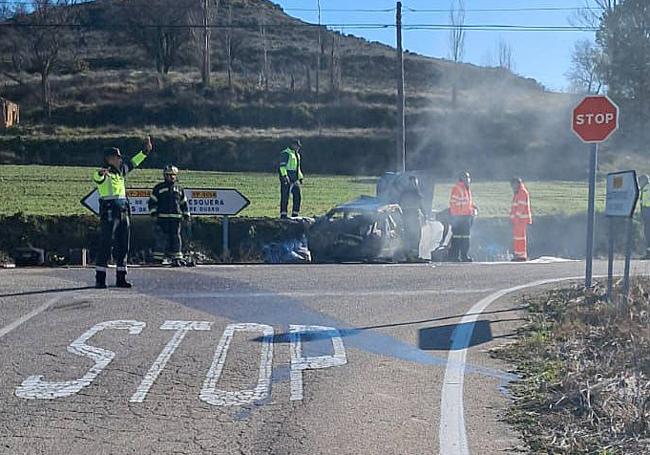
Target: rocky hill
<point>106,90</point>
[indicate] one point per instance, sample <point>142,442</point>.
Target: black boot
<point>121,281</point>
<point>100,280</point>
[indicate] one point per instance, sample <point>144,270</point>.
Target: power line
<point>469,27</point>
<point>510,10</point>
<point>446,11</point>
<point>364,10</point>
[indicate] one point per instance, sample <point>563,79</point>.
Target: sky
<point>542,55</point>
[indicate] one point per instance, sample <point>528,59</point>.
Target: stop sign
<point>595,119</point>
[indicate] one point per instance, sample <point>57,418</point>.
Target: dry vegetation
<point>585,367</point>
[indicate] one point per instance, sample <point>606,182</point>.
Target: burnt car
<point>365,229</point>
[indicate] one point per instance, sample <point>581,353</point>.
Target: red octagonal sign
<point>595,119</point>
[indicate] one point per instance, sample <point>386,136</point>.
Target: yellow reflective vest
<point>645,197</point>
<point>290,165</point>
<point>112,186</point>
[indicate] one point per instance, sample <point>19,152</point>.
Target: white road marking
<point>35,388</point>
<point>20,321</point>
<point>452,435</point>
<point>307,294</point>
<point>300,363</point>
<point>210,394</point>
<point>182,328</point>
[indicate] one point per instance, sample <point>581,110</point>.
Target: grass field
<point>47,190</point>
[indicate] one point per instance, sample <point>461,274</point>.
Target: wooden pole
<point>401,123</point>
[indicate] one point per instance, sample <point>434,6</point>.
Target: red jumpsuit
<point>521,217</point>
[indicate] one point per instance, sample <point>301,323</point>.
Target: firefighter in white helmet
<point>168,206</point>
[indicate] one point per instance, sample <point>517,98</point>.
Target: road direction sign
<point>595,119</point>
<point>622,194</point>
<point>201,201</point>
<point>621,199</point>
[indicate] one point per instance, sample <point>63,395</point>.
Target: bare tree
<point>37,46</point>
<point>592,12</point>
<point>233,47</point>
<point>335,64</point>
<point>456,41</point>
<point>264,73</point>
<point>586,70</point>
<point>457,32</point>
<point>205,13</point>
<point>162,29</point>
<point>504,55</point>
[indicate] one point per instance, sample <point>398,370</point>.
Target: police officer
<point>291,178</point>
<point>412,204</point>
<point>115,212</point>
<point>168,206</point>
<point>644,187</point>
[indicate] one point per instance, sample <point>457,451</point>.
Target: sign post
<point>224,202</point>
<point>593,121</point>
<point>621,199</point>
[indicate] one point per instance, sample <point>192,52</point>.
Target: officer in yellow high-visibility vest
<point>644,201</point>
<point>291,178</point>
<point>114,212</point>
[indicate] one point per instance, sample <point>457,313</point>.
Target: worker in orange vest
<point>521,217</point>
<point>462,210</point>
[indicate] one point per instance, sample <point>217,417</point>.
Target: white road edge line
<point>452,435</point>
<point>20,321</point>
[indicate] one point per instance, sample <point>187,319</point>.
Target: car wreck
<point>375,229</point>
<point>364,229</point>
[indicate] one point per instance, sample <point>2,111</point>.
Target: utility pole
<point>206,44</point>
<point>320,47</point>
<point>401,123</point>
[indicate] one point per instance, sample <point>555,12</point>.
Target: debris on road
<point>295,251</point>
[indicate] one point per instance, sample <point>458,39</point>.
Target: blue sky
<point>544,56</point>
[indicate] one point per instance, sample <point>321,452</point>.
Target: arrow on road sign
<point>201,201</point>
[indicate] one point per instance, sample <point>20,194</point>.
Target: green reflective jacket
<point>645,196</point>
<point>290,164</point>
<point>112,186</point>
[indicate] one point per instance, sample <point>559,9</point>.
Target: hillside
<point>106,91</point>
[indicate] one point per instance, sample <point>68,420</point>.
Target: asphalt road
<point>261,360</point>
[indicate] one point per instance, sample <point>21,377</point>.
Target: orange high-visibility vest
<point>520,212</point>
<point>461,203</point>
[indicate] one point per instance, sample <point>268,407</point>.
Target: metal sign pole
<point>610,262</point>
<point>224,230</point>
<point>591,215</point>
<point>628,258</point>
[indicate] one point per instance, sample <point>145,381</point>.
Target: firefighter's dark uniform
<point>168,205</point>
<point>412,205</point>
<point>290,179</point>
<point>115,221</point>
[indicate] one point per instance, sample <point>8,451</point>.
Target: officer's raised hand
<point>102,171</point>
<point>147,146</point>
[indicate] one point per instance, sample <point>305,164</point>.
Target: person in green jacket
<point>115,212</point>
<point>291,177</point>
<point>644,202</point>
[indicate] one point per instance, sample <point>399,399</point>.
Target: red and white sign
<point>595,119</point>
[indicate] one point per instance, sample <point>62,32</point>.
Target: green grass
<point>49,190</point>
<point>547,197</point>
